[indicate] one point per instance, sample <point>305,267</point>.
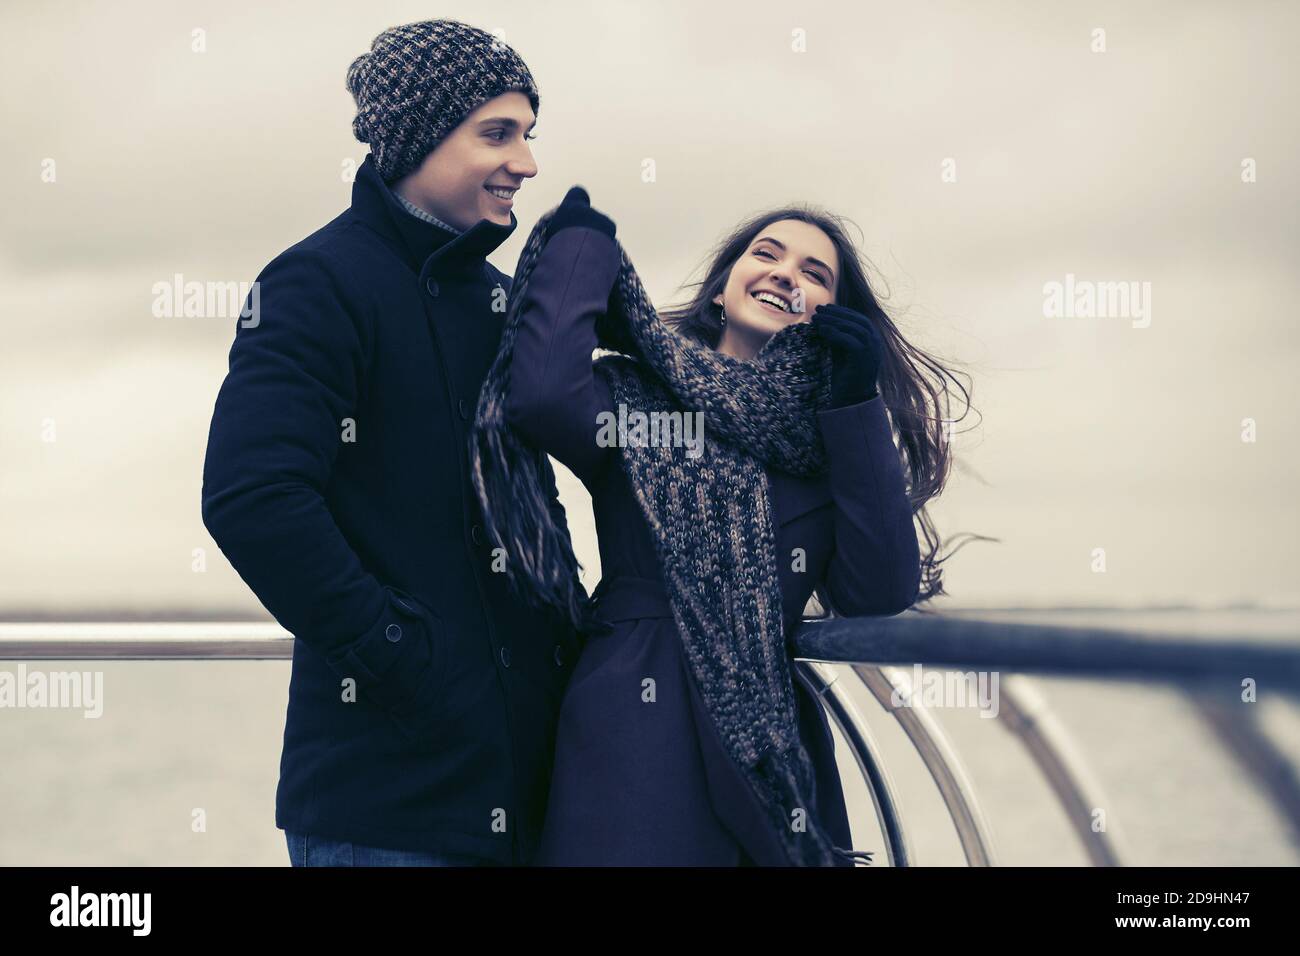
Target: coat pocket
<point>420,713</point>
<point>400,663</point>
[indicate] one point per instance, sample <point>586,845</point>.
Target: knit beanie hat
<point>420,80</point>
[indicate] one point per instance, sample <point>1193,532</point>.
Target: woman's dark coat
<point>337,484</point>
<point>641,776</point>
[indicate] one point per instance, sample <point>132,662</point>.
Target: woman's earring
<point>724,313</point>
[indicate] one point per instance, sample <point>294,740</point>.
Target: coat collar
<point>427,248</point>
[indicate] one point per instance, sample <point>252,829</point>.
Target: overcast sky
<point>1122,165</point>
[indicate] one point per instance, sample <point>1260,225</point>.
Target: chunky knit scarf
<point>710,516</point>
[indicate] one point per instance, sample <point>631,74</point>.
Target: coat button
<point>559,656</point>
<point>476,533</point>
<point>505,657</point>
<point>463,407</point>
<point>393,632</point>
<point>431,287</point>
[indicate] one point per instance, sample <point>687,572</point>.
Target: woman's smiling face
<point>788,269</point>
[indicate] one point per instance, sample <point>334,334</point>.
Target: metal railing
<point>871,647</point>
<point>1195,665</point>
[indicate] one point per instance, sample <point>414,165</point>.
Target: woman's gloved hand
<point>576,210</point>
<point>856,351</point>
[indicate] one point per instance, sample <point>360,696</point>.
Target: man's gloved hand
<point>576,210</point>
<point>856,351</point>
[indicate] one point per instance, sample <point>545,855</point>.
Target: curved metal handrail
<point>1239,732</point>
<point>940,758</point>
<point>824,682</point>
<point>1061,763</point>
<point>1072,651</point>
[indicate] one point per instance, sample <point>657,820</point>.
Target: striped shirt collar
<point>419,213</point>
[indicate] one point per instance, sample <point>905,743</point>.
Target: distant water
<point>181,737</point>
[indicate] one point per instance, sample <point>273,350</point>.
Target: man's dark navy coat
<point>337,484</point>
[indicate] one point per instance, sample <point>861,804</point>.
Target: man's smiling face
<point>475,171</point>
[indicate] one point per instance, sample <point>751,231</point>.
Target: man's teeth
<point>772,300</point>
<point>501,193</point>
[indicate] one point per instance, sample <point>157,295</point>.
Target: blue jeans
<point>308,850</point>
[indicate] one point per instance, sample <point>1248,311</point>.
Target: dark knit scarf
<point>710,517</point>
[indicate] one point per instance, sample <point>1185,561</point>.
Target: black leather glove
<point>576,210</point>
<point>856,351</point>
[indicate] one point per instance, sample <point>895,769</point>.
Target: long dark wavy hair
<point>913,383</point>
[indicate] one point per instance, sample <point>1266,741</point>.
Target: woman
<point>682,739</point>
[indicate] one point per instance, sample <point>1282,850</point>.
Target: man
<point>424,692</point>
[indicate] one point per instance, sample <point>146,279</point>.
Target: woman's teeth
<point>501,193</point>
<point>775,302</point>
